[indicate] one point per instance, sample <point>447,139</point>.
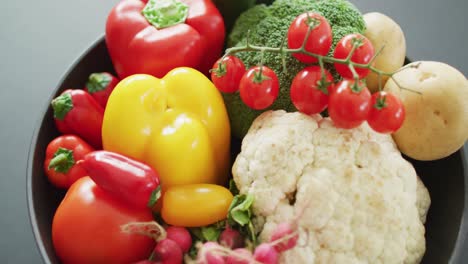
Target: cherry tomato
<point>259,88</point>
<point>387,112</point>
<point>86,227</point>
<point>319,40</point>
<point>362,54</point>
<point>61,163</point>
<point>195,205</point>
<point>349,106</point>
<point>227,73</point>
<point>309,93</point>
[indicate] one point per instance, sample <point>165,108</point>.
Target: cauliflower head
<point>354,198</point>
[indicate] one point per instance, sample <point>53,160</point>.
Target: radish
<point>145,261</point>
<point>239,256</point>
<point>181,236</point>
<point>231,238</point>
<point>266,253</point>
<point>211,253</point>
<point>167,251</point>
<point>284,237</point>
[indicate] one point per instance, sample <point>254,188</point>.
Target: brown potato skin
<point>383,31</point>
<point>436,123</point>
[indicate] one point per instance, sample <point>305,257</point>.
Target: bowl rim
<point>32,147</point>
<point>456,256</point>
<point>461,243</point>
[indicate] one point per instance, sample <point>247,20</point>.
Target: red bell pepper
<point>77,112</point>
<point>100,85</point>
<point>160,35</point>
<point>61,164</point>
<point>129,180</point>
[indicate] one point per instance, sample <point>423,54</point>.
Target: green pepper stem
<point>165,13</point>
<point>97,82</point>
<point>155,195</point>
<point>62,105</point>
<point>60,159</point>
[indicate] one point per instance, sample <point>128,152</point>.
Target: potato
<point>436,123</point>
<point>383,31</point>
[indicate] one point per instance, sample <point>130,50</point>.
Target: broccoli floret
<point>341,13</point>
<point>268,26</point>
<point>285,9</point>
<point>246,20</point>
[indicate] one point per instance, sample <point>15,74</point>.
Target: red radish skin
<point>235,259</point>
<point>211,256</point>
<point>266,253</point>
<point>145,261</point>
<point>181,236</point>
<point>168,251</point>
<point>279,240</point>
<point>231,238</point>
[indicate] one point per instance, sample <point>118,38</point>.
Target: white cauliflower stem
<point>355,198</point>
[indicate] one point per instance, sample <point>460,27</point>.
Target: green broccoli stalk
<point>267,26</point>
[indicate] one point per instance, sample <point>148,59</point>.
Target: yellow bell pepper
<point>177,124</point>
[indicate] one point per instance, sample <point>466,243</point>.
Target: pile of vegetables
<point>145,154</point>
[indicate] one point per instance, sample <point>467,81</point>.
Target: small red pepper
<point>100,85</point>
<point>77,112</point>
<point>62,160</point>
<point>129,180</point>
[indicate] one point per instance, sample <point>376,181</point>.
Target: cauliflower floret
<point>355,197</point>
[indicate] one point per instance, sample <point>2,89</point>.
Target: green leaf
<point>197,233</point>
<point>241,217</point>
<point>240,209</point>
<point>210,233</point>
<point>233,188</point>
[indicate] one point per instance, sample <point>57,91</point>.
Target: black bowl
<point>446,179</point>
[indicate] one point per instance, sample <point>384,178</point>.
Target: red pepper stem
<point>58,160</point>
<point>165,13</point>
<point>155,195</point>
<point>62,161</point>
<point>98,82</point>
<point>62,105</point>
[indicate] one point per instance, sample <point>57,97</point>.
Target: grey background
<point>40,39</point>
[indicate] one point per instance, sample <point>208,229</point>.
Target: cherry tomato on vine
<point>349,104</point>
<point>362,54</point>
<point>227,73</point>
<point>387,112</point>
<point>319,40</point>
<point>309,92</point>
<point>259,87</point>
